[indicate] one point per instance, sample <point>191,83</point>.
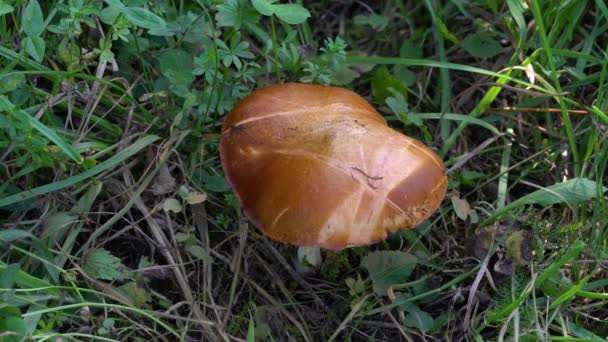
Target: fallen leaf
<point>164,183</point>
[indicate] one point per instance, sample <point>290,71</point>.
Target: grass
<point>116,221</point>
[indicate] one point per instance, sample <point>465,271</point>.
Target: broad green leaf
<point>9,235</point>
<point>481,45</point>
<point>199,252</point>
<point>144,18</point>
<point>411,49</point>
<point>9,276</point>
<point>86,201</point>
<point>116,4</point>
<point>263,6</point>
<point>138,295</point>
<point>101,264</point>
<point>236,13</point>
<point>5,9</point>
<point>176,66</point>
<point>4,123</point>
<point>572,192</point>
<point>32,20</point>
<point>382,81</point>
<point>416,318</point>
<point>343,75</point>
<point>57,224</point>
<point>108,15</point>
<point>404,75</point>
<point>376,21</point>
<point>24,280</point>
<point>387,268</point>
<point>11,82</point>
<point>291,13</point>
<point>213,182</point>
<point>35,47</point>
<point>11,321</point>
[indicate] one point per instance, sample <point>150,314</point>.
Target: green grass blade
<point>52,136</point>
<point>565,116</point>
<point>570,254</point>
<point>571,192</point>
<point>107,164</point>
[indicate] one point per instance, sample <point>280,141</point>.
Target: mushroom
<point>317,165</point>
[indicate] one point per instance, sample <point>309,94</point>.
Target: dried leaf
<point>461,207</point>
<point>195,197</point>
<point>164,183</point>
<point>173,205</point>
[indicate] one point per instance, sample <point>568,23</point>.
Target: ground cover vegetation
<point>116,222</point>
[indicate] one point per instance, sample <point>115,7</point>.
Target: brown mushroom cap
<point>317,165</point>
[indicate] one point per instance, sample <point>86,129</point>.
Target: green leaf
<point>176,66</point>
<point>398,105</point>
<point>5,9</point>
<point>263,6</point>
<point>214,182</point>
<point>199,252</point>
<point>481,45</point>
<point>9,235</point>
<point>11,82</point>
<point>142,17</point>
<point>32,20</point>
<point>138,295</point>
<point>107,164</point>
<point>382,81</point>
<point>416,318</point>
<point>387,268</point>
<point>235,13</point>
<point>404,75</point>
<point>375,21</point>
<point>251,330</point>
<point>52,136</point>
<point>572,192</point>
<point>8,189</point>
<point>291,13</point>
<point>11,321</point>
<point>116,4</point>
<point>25,280</point>
<point>411,49</point>
<point>8,276</point>
<point>86,201</point>
<point>35,47</point>
<point>101,264</point>
<point>58,222</point>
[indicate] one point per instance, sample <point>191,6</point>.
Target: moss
<point>337,265</point>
